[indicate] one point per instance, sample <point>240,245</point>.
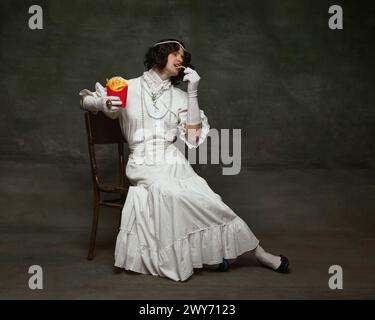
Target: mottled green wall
<point>301,93</point>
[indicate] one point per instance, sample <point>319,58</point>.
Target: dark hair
<point>158,56</point>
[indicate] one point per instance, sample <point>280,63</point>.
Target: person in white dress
<point>172,221</point>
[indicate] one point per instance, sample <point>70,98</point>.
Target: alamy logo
<point>336,280</point>
<point>36,20</point>
<point>224,147</point>
<point>336,20</point>
<point>36,280</point>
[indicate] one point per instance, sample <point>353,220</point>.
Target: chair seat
<point>113,189</point>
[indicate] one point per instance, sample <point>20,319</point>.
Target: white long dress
<point>172,221</point>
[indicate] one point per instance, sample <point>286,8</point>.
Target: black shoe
<point>117,269</point>
<point>284,266</point>
<point>224,266</point>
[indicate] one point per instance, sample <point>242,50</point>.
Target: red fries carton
<point>117,86</point>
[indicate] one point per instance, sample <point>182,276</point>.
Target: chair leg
<point>94,228</point>
<point>123,198</point>
<point>119,220</point>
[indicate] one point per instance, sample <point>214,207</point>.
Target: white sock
<point>266,258</point>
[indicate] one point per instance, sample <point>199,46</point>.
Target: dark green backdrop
<point>301,93</point>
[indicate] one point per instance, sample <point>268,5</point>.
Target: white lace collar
<point>156,85</point>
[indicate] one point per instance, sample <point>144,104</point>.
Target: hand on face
<point>193,79</point>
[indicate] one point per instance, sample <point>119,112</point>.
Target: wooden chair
<point>103,130</point>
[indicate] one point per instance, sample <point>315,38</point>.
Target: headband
<point>170,41</point>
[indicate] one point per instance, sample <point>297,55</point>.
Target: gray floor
<point>317,217</point>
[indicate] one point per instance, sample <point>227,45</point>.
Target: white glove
<point>193,112</point>
<point>193,77</point>
<point>98,101</point>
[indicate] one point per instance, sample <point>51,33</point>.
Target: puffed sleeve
<point>87,102</point>
<point>182,115</point>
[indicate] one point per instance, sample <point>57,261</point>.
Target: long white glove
<point>193,112</point>
<point>97,101</point>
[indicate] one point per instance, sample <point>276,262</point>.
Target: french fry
<point>117,86</point>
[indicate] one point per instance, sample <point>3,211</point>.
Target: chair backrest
<point>103,130</point>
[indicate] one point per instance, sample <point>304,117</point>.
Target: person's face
<point>174,59</point>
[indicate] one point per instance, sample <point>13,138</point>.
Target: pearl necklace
<point>142,83</point>
<point>156,85</point>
